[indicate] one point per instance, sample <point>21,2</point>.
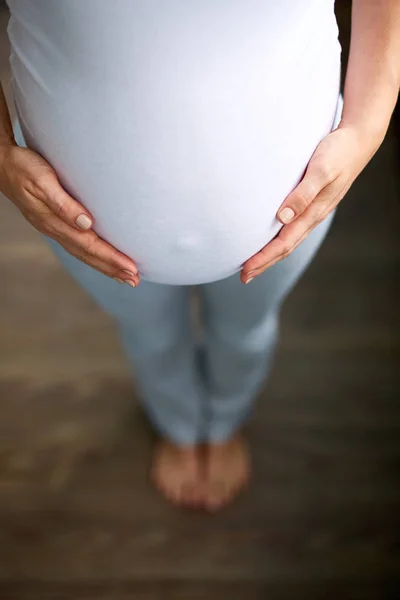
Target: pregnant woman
<point>166,144</point>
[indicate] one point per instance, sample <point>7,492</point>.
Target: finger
<point>290,237</point>
<point>317,177</point>
<point>52,194</point>
<point>91,245</point>
<point>255,273</point>
<point>282,245</point>
<point>101,266</point>
<point>277,249</point>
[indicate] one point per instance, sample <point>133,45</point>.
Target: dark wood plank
<point>170,590</point>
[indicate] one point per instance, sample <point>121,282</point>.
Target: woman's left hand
<point>336,163</point>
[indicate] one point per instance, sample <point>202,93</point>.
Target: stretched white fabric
<point>180,125</point>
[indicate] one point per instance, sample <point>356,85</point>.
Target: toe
<point>174,495</point>
<point>198,496</point>
<point>191,494</point>
<point>186,492</point>
<point>216,494</point>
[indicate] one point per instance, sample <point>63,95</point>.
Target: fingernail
<point>119,280</point>
<point>84,222</point>
<point>286,215</point>
<point>248,281</point>
<point>131,283</point>
<point>131,273</point>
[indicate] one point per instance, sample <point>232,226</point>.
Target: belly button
<point>187,243</point>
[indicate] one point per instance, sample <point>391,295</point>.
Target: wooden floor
<point>78,519</point>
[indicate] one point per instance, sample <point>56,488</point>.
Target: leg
<point>153,322</point>
<point>241,331</point>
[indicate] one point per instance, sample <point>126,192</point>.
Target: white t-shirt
<point>181,125</point>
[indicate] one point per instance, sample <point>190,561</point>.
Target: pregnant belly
<point>184,179</point>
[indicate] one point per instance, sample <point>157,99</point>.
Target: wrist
<point>371,132</point>
<point>369,113</point>
<point>5,147</point>
<point>7,142</point>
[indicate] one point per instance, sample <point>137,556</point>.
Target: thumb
<point>65,206</point>
<point>318,175</point>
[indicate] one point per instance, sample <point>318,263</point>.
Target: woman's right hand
<point>30,182</point>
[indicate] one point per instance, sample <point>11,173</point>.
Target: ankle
<point>184,449</point>
<point>235,438</point>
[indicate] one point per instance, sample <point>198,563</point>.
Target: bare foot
<point>176,472</point>
<point>228,470</point>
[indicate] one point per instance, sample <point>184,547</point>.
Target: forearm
<point>373,73</point>
<point>6,130</point>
